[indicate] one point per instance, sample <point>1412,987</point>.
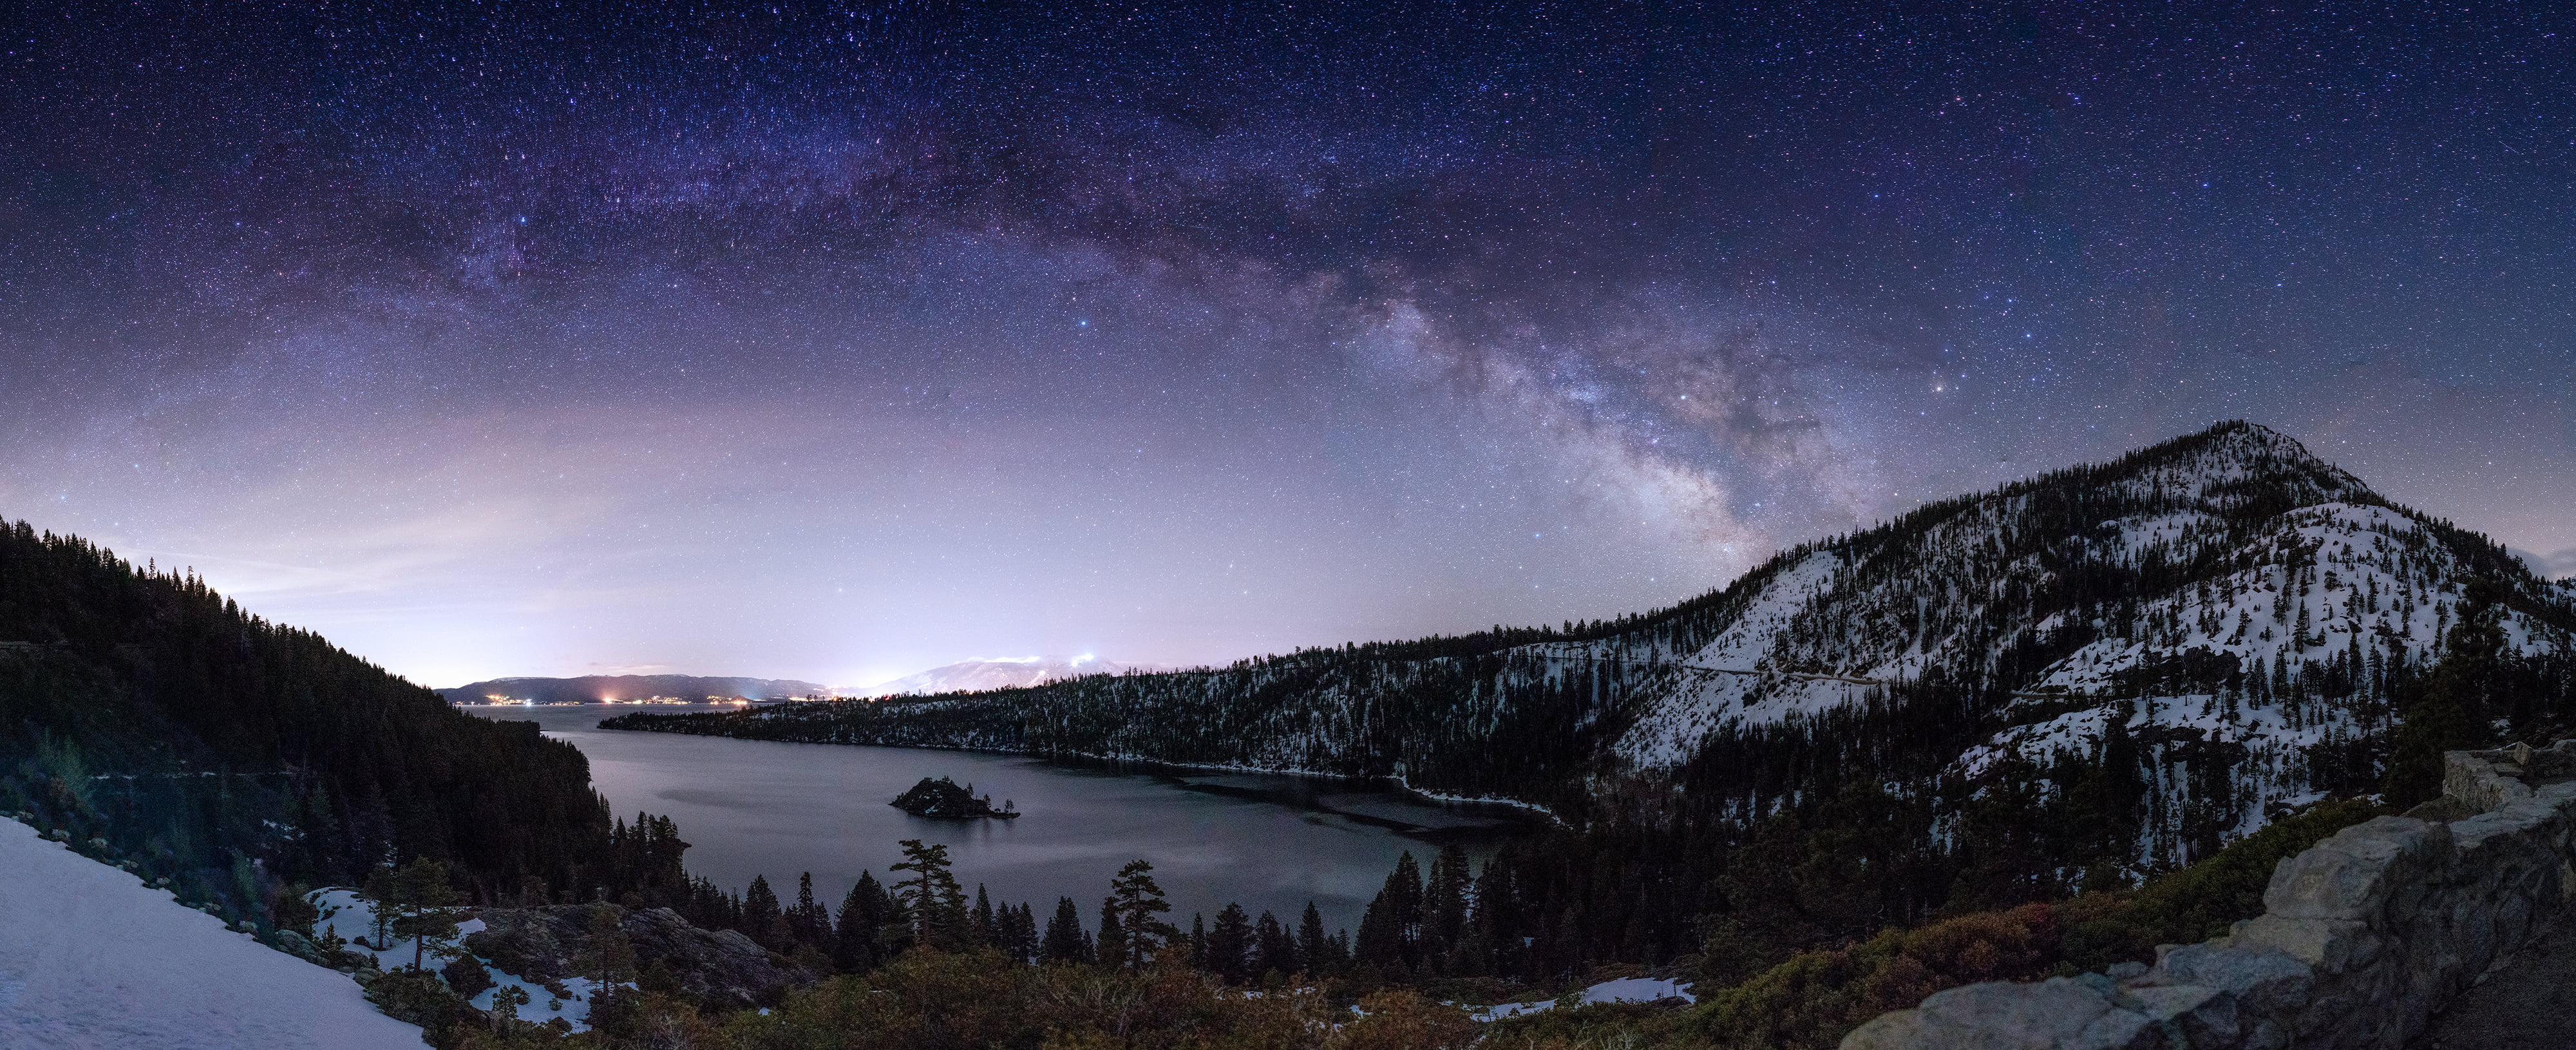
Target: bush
<point>1815,998</point>
<point>467,976</point>
<point>1401,1020</point>
<point>2201,901</point>
<point>419,998</point>
<point>975,1000</point>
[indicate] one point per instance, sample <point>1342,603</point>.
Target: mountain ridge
<point>593,688</point>
<point>974,676</point>
<point>2010,627</point>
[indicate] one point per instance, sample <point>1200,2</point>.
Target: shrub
<point>1815,998</point>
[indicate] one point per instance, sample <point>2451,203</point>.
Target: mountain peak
<point>2233,469</point>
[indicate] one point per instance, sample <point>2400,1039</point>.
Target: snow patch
<point>352,917</point>
<point>90,957</point>
<point>1623,990</point>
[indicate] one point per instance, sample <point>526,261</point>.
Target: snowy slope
<point>1848,617</point>
<point>2231,600</point>
<point>90,957</point>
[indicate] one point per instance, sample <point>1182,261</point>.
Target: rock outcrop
<point>720,968</point>
<point>2362,937</point>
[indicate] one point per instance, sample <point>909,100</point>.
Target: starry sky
<point>835,342</point>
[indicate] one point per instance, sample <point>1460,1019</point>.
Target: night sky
<point>837,342</point>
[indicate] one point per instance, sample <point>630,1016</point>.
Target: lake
<point>1271,843</point>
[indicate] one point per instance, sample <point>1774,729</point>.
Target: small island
<point>943,799</point>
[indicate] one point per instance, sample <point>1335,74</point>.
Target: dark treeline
<point>921,904</point>
<point>151,722</point>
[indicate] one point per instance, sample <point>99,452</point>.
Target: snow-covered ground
<point>90,957</point>
<point>344,913</point>
<point>1623,990</point>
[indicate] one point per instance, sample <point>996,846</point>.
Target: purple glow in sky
<point>834,343</point>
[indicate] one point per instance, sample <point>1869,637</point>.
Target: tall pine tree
<point>1064,941</point>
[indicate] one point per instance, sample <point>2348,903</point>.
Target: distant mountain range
<point>593,688</point>
<point>975,676</point>
<point>2208,630</point>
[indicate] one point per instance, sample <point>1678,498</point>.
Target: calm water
<point>753,807</point>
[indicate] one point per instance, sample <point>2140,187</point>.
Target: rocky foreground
<point>2364,938</point>
<point>721,969</point>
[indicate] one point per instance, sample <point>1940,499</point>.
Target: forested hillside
<point>151,722</point>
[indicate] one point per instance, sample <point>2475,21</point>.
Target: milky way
<point>837,342</point>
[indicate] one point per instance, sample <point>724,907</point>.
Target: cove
<point>753,807</point>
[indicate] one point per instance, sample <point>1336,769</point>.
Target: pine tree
<point>505,1007</point>
<point>933,906</point>
<point>762,919</point>
<point>1064,938</point>
<point>607,955</point>
<point>1314,949</point>
<point>1391,928</point>
<point>1444,905</point>
<point>1111,950</point>
<point>2453,700</point>
<point>857,932</point>
<point>1229,946</point>
<point>808,924</point>
<point>1019,933</point>
<point>1139,903</point>
<point>985,928</point>
<point>415,901</point>
<point>1274,949</point>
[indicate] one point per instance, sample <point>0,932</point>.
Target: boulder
<point>720,968</point>
<point>2060,1013</point>
<point>2358,872</point>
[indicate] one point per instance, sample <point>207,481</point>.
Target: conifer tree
<point>931,902</point>
<point>1019,933</point>
<point>2453,701</point>
<point>505,1007</point>
<point>1064,941</point>
<point>1314,949</point>
<point>807,922</point>
<point>1111,950</point>
<point>415,901</point>
<point>762,919</point>
<point>1139,904</point>
<point>608,957</point>
<point>1229,946</point>
<point>866,912</point>
<point>1274,949</point>
<point>1391,928</point>
<point>985,928</point>
<point>1444,904</point>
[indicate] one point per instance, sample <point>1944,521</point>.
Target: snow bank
<point>1624,990</point>
<point>90,957</point>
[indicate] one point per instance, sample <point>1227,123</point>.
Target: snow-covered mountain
<point>594,688</point>
<point>2238,613</point>
<point>2230,597</point>
<point>975,676</point>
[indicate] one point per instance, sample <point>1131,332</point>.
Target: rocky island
<point>942,798</point>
